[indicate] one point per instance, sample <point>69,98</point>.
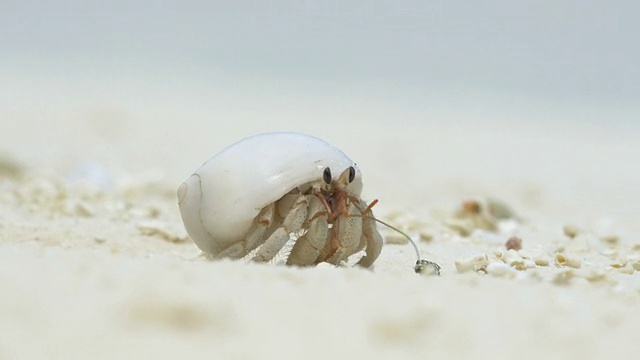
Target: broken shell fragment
<point>513,259</point>
<point>567,260</point>
<point>475,263</point>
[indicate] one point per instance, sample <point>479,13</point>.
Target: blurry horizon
<point>555,52</point>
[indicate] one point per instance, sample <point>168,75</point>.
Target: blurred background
<point>431,98</point>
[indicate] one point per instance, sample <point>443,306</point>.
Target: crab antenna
<point>368,210</point>
<point>422,266</point>
<point>415,247</point>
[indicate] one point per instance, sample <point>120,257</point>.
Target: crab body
<point>256,193</point>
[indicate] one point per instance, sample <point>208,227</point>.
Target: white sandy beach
<point>104,273</point>
<point>95,262</point>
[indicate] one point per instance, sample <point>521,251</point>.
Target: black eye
<point>326,175</point>
<point>352,174</point>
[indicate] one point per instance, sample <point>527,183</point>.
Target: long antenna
<point>415,246</point>
<point>426,266</point>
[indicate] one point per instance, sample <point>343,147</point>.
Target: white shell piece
<point>475,263</point>
<point>220,200</point>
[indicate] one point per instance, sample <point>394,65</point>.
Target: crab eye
<point>326,175</point>
<point>352,174</point>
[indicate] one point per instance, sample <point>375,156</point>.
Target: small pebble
<point>618,264</point>
<point>472,207</point>
<point>426,236</point>
<point>541,262</point>
<point>570,230</point>
<point>514,243</point>
<point>610,240</point>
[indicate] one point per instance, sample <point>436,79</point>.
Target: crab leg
<point>292,222</point>
<point>346,234</point>
<point>308,246</point>
<point>374,242</point>
<point>254,235</point>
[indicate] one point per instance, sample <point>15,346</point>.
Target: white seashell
<point>220,200</point>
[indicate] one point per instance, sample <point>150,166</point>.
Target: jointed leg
<point>374,242</point>
<point>308,247</point>
<point>345,235</point>
<point>292,222</point>
<point>253,238</point>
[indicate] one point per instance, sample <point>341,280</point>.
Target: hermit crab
<point>255,195</point>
